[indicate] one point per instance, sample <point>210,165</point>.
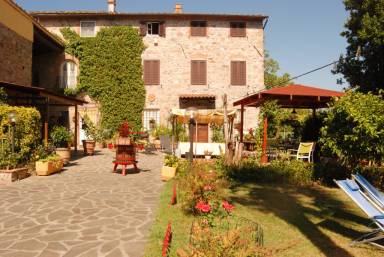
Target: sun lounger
<point>353,190</point>
<point>374,194</point>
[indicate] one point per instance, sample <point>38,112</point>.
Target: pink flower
<point>227,206</point>
<point>203,207</point>
<point>208,188</point>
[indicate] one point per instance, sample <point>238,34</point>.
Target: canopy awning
<point>292,96</point>
<point>203,116</point>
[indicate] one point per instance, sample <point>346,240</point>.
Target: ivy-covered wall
<point>111,72</point>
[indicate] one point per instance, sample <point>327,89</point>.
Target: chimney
<point>178,8</point>
<point>112,6</point>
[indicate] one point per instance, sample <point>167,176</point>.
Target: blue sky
<point>301,34</point>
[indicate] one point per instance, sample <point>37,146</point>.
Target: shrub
<point>375,175</point>
<point>27,135</point>
<point>217,134</point>
<point>171,160</point>
<point>3,96</point>
<point>354,128</point>
<point>60,136</point>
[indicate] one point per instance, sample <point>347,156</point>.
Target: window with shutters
<point>154,28</point>
<point>238,73</point>
<point>68,78</point>
<point>238,29</point>
<point>87,28</point>
<point>198,28</point>
<point>151,72</point>
<point>198,72</point>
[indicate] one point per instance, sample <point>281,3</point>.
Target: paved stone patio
<point>86,210</point>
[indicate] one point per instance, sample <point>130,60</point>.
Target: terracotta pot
<point>9,176</point>
<point>167,173</point>
<point>110,146</point>
<point>64,153</point>
<point>47,168</point>
<point>89,147</point>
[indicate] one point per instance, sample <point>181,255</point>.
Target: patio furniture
<point>165,142</point>
<point>354,192</point>
<point>375,196</point>
<point>217,149</point>
<point>125,149</point>
<point>304,152</point>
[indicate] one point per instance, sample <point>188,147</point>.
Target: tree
<point>363,63</point>
<point>271,79</point>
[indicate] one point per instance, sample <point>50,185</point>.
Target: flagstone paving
<point>86,210</point>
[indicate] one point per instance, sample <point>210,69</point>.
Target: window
<point>151,118</point>
<point>151,72</point>
<point>153,28</point>
<point>198,72</point>
<point>87,28</point>
<point>237,29</point>
<point>198,28</point>
<point>238,73</point>
<point>68,75</point>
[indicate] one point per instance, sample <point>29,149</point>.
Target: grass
<point>297,221</point>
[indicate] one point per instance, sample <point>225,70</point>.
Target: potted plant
<point>11,167</point>
<point>61,137</point>
<point>48,165</point>
<point>91,134</point>
<point>207,154</point>
<point>168,171</point>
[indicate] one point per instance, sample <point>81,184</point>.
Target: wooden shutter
<point>152,72</point>
<point>198,72</point>
<point>143,28</point>
<point>198,28</point>
<point>238,73</point>
<point>162,29</point>
<point>238,29</point>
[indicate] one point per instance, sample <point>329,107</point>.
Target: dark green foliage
<point>365,36</point>
<point>111,73</point>
<point>271,79</point>
<point>354,128</point>
<point>3,96</point>
<point>217,134</point>
<point>60,136</point>
<point>375,175</point>
<point>27,135</point>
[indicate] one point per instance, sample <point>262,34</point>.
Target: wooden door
<point>202,133</point>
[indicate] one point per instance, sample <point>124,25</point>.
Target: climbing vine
<point>111,72</point>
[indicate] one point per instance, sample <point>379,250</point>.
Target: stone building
<point>190,60</point>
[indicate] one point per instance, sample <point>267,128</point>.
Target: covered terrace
<point>291,96</point>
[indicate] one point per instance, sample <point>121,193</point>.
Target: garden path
<point>86,210</point>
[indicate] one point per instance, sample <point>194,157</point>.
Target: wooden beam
<point>264,157</point>
<point>76,128</point>
<point>241,123</point>
<point>46,122</point>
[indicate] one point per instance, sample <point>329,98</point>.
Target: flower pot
<point>167,173</point>
<point>48,167</point>
<point>110,146</point>
<point>207,157</point>
<point>9,176</point>
<point>64,153</point>
<point>89,147</point>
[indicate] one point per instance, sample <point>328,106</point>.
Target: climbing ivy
<point>111,72</point>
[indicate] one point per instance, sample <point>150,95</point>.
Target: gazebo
<point>290,96</point>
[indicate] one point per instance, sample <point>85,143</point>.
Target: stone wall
<point>16,57</point>
<point>178,48</point>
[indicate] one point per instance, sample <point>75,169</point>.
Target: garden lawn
<point>297,221</point>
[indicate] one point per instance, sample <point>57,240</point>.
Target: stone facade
<point>16,57</point>
<point>175,52</point>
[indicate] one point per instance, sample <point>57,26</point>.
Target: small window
<point>151,72</point>
<point>151,118</point>
<point>153,28</point>
<point>238,73</point>
<point>198,72</point>
<point>198,28</point>
<point>238,29</point>
<point>68,75</point>
<point>87,28</point>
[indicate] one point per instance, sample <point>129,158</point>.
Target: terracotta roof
<point>292,96</point>
<point>198,96</point>
<point>151,15</point>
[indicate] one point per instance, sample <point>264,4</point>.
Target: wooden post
<point>242,123</point>
<point>76,127</point>
<point>264,157</point>
<point>46,121</point>
<point>314,113</point>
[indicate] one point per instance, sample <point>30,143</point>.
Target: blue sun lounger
<point>352,189</point>
<point>375,195</point>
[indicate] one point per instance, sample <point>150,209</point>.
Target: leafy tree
<point>354,128</point>
<point>365,36</point>
<point>3,96</point>
<point>271,79</point>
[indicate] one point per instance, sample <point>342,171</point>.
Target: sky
<point>301,35</point>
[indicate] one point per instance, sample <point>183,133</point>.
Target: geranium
<point>227,206</point>
<point>203,207</point>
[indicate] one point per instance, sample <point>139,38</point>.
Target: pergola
<point>291,96</point>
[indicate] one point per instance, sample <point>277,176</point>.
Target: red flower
<point>203,207</point>
<point>208,188</point>
<point>227,206</point>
